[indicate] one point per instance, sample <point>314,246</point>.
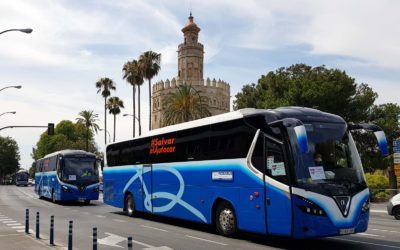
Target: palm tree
<point>114,106</point>
<point>88,119</point>
<point>105,85</point>
<point>149,63</point>
<point>185,104</point>
<point>133,76</point>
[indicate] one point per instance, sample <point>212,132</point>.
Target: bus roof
<point>67,152</point>
<point>301,113</point>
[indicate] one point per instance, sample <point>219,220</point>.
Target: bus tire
<point>53,197</point>
<point>87,202</point>
<point>396,212</point>
<point>129,205</point>
<point>225,219</point>
<point>40,193</point>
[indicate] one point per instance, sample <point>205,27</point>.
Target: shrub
<point>376,181</point>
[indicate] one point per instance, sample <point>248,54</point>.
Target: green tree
<point>114,106</point>
<point>88,119</point>
<point>32,170</point>
<point>104,86</point>
<point>329,90</point>
<point>185,104</point>
<point>9,157</point>
<point>149,63</point>
<point>134,77</point>
<point>67,135</point>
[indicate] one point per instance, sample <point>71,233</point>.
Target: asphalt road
<point>151,232</point>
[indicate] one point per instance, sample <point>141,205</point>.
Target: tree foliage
<point>329,90</point>
<point>185,104</point>
<point>9,156</point>
<point>88,119</point>
<point>67,135</point>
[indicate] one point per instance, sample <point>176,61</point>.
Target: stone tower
<point>190,71</point>
<point>190,54</point>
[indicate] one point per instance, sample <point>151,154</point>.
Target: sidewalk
<point>12,240</point>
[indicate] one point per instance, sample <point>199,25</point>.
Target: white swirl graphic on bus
<point>174,198</point>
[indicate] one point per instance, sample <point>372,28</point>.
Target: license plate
<point>346,231</point>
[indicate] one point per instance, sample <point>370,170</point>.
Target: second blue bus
<point>68,175</point>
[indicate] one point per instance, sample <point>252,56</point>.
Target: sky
<point>74,43</point>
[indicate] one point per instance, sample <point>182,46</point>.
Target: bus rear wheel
<point>53,197</point>
<point>396,212</point>
<point>86,202</point>
<point>129,205</point>
<point>225,219</point>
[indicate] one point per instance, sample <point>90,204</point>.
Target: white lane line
<point>378,211</point>
<point>215,242</point>
<point>9,221</point>
<point>7,235</point>
<point>100,216</point>
<point>372,235</point>
<point>117,220</point>
<point>18,227</point>
<point>5,219</point>
<point>367,243</point>
<point>21,231</point>
<point>383,230</point>
<point>14,224</point>
<point>159,229</point>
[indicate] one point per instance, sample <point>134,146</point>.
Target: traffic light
<point>50,128</point>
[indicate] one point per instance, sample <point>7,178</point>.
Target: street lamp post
<point>140,126</point>
<point>27,31</point>
<point>109,136</point>
<point>10,112</point>
<point>16,87</point>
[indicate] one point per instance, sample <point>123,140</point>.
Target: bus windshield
<point>22,176</point>
<point>82,170</point>
<point>332,165</point>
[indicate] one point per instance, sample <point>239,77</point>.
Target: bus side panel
<point>115,180</point>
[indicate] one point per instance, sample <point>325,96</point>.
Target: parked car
<point>393,206</point>
<point>31,182</point>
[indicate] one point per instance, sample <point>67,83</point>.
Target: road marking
<point>100,216</point>
<point>117,220</point>
<point>383,230</point>
<point>18,227</point>
<point>159,229</point>
<point>14,224</point>
<point>9,221</point>
<point>368,243</point>
<point>372,235</point>
<point>5,219</point>
<point>21,231</point>
<point>111,240</point>
<point>211,241</point>
<point>7,235</point>
<point>378,211</point>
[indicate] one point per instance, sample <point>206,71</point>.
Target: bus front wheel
<point>129,205</point>
<point>225,219</point>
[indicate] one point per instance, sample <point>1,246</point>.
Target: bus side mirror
<point>301,136</point>
<point>379,134</point>
<point>382,142</point>
<point>299,129</point>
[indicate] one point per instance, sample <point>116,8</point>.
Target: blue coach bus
<point>289,171</point>
<point>21,178</point>
<point>68,175</point>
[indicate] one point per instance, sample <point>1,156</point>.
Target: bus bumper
<point>70,193</point>
<point>313,226</point>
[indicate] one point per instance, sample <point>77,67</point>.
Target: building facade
<point>190,71</point>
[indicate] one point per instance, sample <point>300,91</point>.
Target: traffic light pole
<point>50,127</point>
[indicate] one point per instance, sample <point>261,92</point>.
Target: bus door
<point>277,193</point>
<point>147,187</point>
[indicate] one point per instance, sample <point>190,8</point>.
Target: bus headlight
<point>311,208</point>
<point>366,206</point>
<point>65,188</point>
